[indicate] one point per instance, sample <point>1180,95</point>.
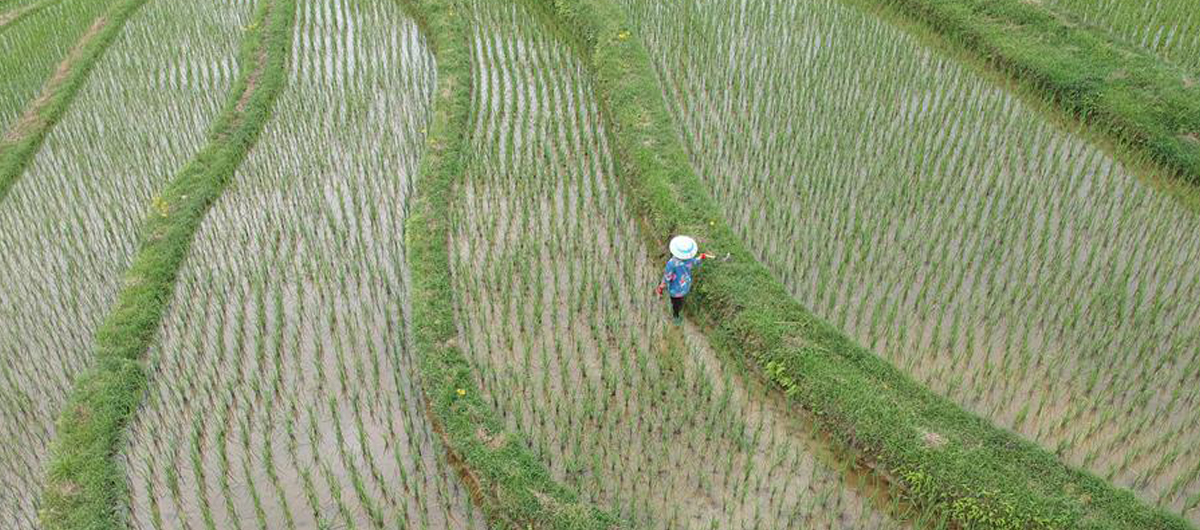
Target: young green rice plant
<point>290,313</point>
<point>13,11</point>
<point>556,311</point>
<point>32,45</point>
<point>69,226</point>
<point>1008,264</point>
<point>1169,27</point>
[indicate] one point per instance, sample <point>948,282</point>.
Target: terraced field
<point>284,392</point>
<point>69,226</point>
<point>1003,262</point>
<point>556,311</point>
<point>34,41</point>
<point>223,224</point>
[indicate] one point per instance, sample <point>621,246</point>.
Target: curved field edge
<point>943,459</point>
<point>1128,95</point>
<point>23,139</point>
<point>85,485</point>
<point>514,489</point>
<point>13,15</point>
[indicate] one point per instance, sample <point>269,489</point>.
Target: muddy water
<point>69,225</point>
<point>284,392</point>
<point>1007,264</point>
<point>555,307</point>
<point>34,45</point>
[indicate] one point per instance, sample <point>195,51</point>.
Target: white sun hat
<point>683,247</point>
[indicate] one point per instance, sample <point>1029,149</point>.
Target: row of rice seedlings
<point>13,10</point>
<point>10,6</point>
<point>555,308</point>
<point>69,226</point>
<point>33,45</point>
<point>1169,27</point>
<point>283,391</point>
<point>1007,264</point>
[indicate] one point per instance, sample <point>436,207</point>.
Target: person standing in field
<point>677,275</point>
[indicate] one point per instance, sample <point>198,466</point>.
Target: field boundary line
<point>24,137</point>
<point>1129,95</point>
<point>507,481</point>
<point>949,463</point>
<point>12,16</point>
<point>85,484</point>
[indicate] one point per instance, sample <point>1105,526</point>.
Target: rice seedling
<point>556,310</point>
<point>31,45</point>
<point>1169,27</point>
<point>1004,262</point>
<point>69,226</point>
<point>289,317</point>
<point>11,12</point>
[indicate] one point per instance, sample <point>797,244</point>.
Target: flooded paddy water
<point>33,43</point>
<point>68,227</point>
<point>1002,261</point>
<point>284,391</point>
<point>556,310</point>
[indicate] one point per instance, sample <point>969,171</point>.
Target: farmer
<point>677,276</point>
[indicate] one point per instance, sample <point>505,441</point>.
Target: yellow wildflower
<point>160,205</point>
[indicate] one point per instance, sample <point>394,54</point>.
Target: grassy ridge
<point>21,142</point>
<point>509,483</point>
<point>85,487</point>
<point>945,460</point>
<point>1127,93</point>
<point>11,16</point>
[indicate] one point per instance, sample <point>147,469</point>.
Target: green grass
<point>556,313</point>
<point>36,44</point>
<point>932,216</point>
<point>1123,91</point>
<point>288,317</point>
<point>13,12</point>
<point>70,224</point>
<point>85,486</point>
<point>33,52</point>
<point>513,488</point>
<point>493,396</point>
<point>981,476</point>
<point>1169,27</point>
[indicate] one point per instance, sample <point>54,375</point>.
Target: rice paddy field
<point>69,226</point>
<point>284,393</point>
<point>1005,263</point>
<point>35,37</point>
<point>1000,258</point>
<point>557,313</point>
<point>1169,27</point>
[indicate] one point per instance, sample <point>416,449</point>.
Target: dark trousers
<point>676,305</point>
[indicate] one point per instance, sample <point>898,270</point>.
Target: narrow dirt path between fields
<point>34,120</point>
<point>260,65</point>
<point>781,419</point>
<point>12,16</point>
<point>83,475</point>
<point>21,141</point>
